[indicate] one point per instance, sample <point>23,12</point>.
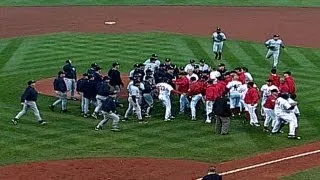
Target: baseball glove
<point>220,37</point>
<point>272,48</point>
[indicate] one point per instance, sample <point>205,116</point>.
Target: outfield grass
<point>310,174</point>
<point>71,136</point>
<point>293,3</point>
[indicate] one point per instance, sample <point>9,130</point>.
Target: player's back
<point>164,89</point>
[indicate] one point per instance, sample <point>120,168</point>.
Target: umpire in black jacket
<point>115,77</point>
<point>221,109</point>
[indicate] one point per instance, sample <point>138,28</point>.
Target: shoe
<point>51,107</point>
<point>281,132</point>
<point>125,119</point>
<point>224,133</point>
<point>256,124</point>
<point>97,128</point>
<point>64,111</point>
<point>147,116</point>
<point>143,122</point>
<point>266,129</point>
<point>73,99</point>
<point>115,129</point>
<point>166,120</point>
<point>172,117</point>
<point>85,115</point>
<point>94,116</point>
<point>294,137</point>
<point>193,119</point>
<point>181,113</point>
<point>14,121</point>
<point>42,122</point>
<point>208,121</point>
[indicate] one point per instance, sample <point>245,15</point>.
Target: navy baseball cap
<point>221,64</point>
<point>202,60</point>
<point>168,60</point>
<point>31,82</point>
<point>192,61</point>
<point>154,55</point>
<point>115,64</point>
<point>60,72</point>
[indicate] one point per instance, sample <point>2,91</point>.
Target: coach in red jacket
<point>252,99</point>
<point>182,84</point>
<point>269,110</point>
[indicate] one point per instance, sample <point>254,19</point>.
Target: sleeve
<point>24,95</point>
<point>224,36</point>
<point>282,44</point>
<point>267,43</point>
<point>110,73</point>
<point>229,85</point>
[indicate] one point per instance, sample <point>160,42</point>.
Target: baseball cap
<point>202,60</point>
<point>221,64</point>
<point>31,82</point>
<point>60,72</point>
<point>136,65</point>
<point>162,65</point>
<point>192,61</point>
<point>97,68</point>
<point>205,72</point>
<point>115,64</point>
<point>276,35</point>
<point>112,92</point>
<point>170,68</point>
<point>287,72</point>
<point>167,59</point>
<point>141,65</point>
<point>154,55</point>
<point>268,80</point>
<point>196,66</point>
<point>68,61</point>
<point>85,74</point>
<point>274,90</point>
<point>183,73</point>
<point>93,65</point>
<point>218,29</point>
<point>181,68</point>
<point>106,78</point>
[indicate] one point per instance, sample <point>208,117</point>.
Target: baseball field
<point>36,41</point>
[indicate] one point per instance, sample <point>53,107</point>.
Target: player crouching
<point>108,110</point>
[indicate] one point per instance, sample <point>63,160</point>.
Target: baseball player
<point>195,90</point>
<point>274,46</point>
<point>79,89</point>
<point>108,110</point>
<point>154,56</point>
<point>218,38</point>
<point>149,85</point>
<point>70,77</point>
<point>134,98</point>
<point>269,110</point>
<point>115,76</point>
<point>152,65</point>
<point>60,88</point>
<point>251,99</point>
<point>241,74</point>
<point>265,92</point>
<point>182,84</point>
<point>92,69</point>
<point>103,89</point>
<point>131,73</point>
<point>89,94</point>
<point>211,95</point>
<point>235,93</point>
<point>190,67</point>
<point>289,80</point>
<point>192,74</point>
<point>247,74</point>
<point>164,90</point>
<point>283,110</point>
<point>274,77</point>
<point>203,66</point>
<point>28,100</point>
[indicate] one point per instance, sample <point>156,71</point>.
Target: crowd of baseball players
<point>224,92</point>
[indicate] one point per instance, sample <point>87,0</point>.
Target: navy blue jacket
<point>30,94</point>
<point>103,89</point>
<point>212,177</point>
<point>70,71</point>
<point>60,85</point>
<point>159,75</point>
<point>91,71</point>
<point>80,84</point>
<point>89,89</point>
<point>221,107</point>
<point>110,104</point>
<point>115,77</point>
<point>97,77</point>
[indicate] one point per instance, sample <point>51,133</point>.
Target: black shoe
<point>14,121</point>
<point>42,122</point>
<point>51,107</point>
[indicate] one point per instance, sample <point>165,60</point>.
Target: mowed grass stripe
<point>9,50</point>
<point>230,57</point>
<point>196,48</point>
<point>310,55</point>
<point>286,59</point>
<point>253,53</point>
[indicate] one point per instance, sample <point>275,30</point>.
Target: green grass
<point>295,3</point>
<point>71,136</point>
<point>310,174</point>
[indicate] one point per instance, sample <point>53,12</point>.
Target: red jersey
<point>212,92</point>
<point>242,77</point>
<point>275,78</point>
<point>252,96</point>
<point>284,88</point>
<point>204,86</point>
<point>183,84</point>
<point>291,84</point>
<point>270,102</point>
<point>195,88</point>
<point>221,85</point>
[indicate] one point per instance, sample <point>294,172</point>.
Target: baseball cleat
<point>97,128</point>
<point>14,121</point>
<point>94,116</point>
<point>147,116</point>
<point>42,122</point>
<point>125,119</point>
<point>166,120</point>
<point>115,129</point>
<point>172,117</point>
<point>256,124</point>
<point>208,121</point>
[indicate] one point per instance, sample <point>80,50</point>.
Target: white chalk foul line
<point>270,162</point>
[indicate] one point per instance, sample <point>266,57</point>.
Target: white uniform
<point>205,67</point>
<point>151,65</point>
<point>243,91</point>
<point>283,112</point>
<point>217,42</point>
<point>193,75</point>
<point>215,74</point>
<point>234,90</point>
<point>133,103</point>
<point>189,67</point>
<point>148,61</point>
<point>274,50</point>
<point>249,77</point>
<point>266,91</point>
<point>164,96</point>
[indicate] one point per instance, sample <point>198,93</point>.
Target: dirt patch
<point>145,169</point>
<point>45,86</point>
<point>297,26</point>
